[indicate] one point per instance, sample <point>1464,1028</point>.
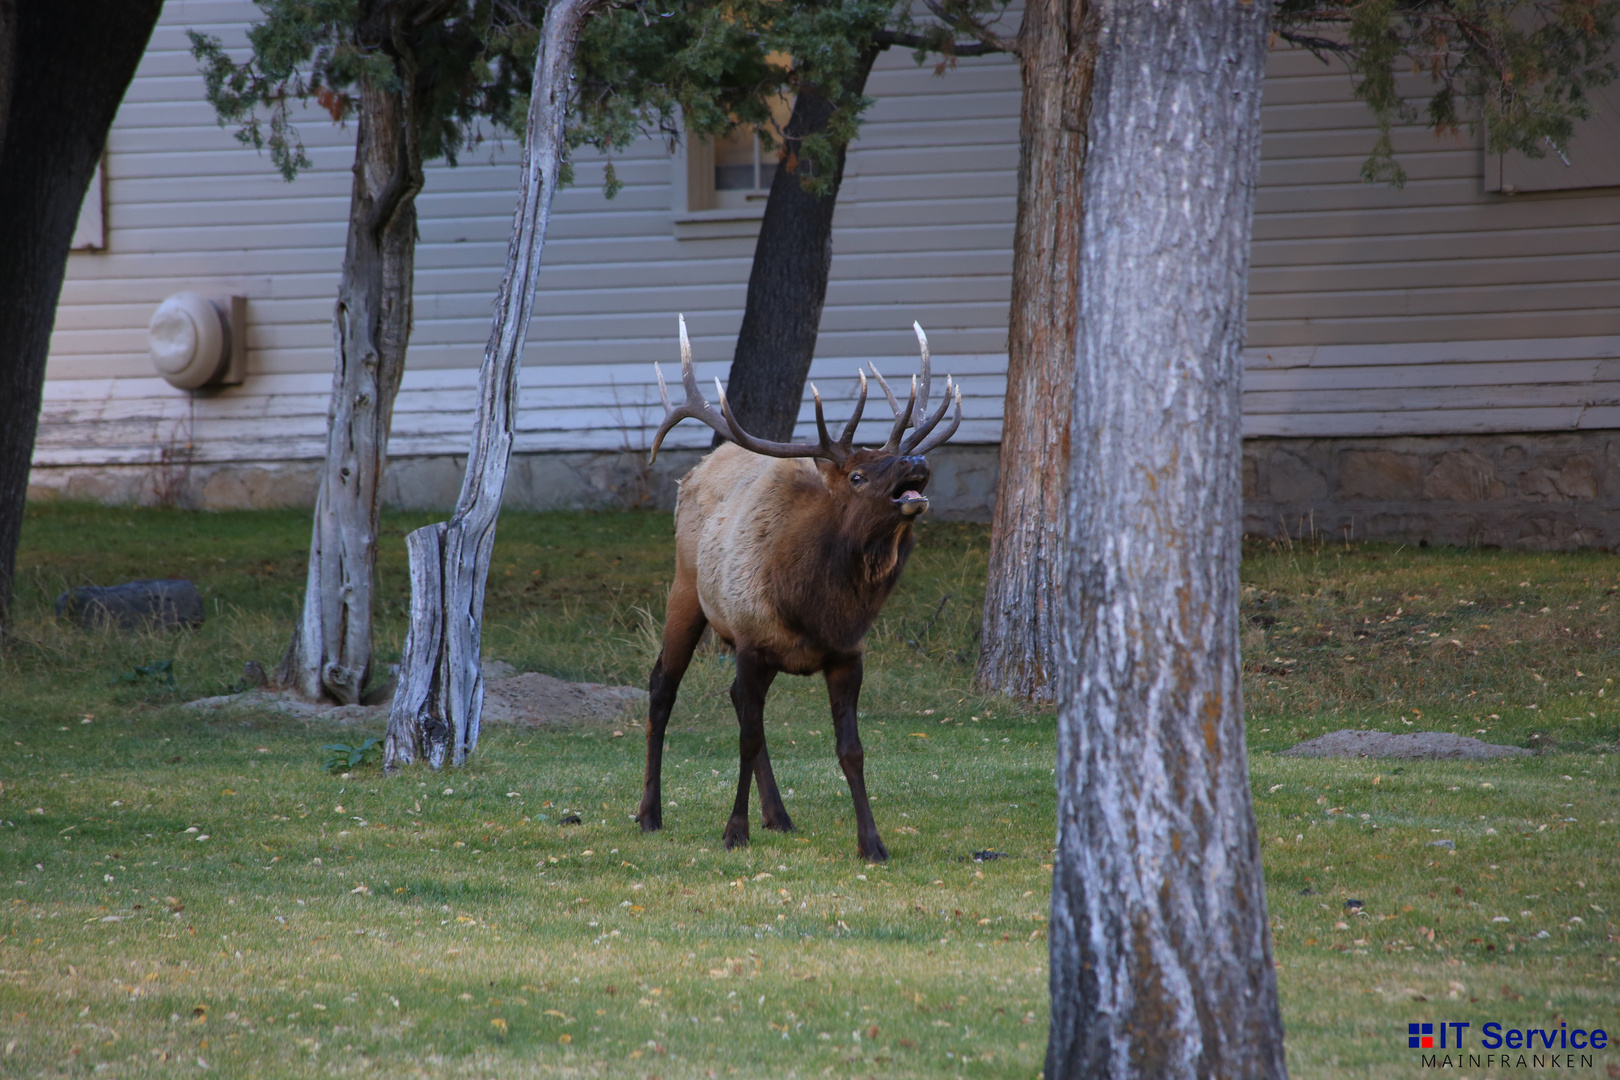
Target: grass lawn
<point>180,891</point>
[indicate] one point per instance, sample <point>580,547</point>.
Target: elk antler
<point>726,424</point>
<point>919,442</point>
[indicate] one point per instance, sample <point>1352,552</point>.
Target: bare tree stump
<point>439,700</point>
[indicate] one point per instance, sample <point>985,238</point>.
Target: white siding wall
<point>1436,308</point>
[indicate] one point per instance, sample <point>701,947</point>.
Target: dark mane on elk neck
<point>787,552</point>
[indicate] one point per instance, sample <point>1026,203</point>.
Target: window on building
<point>734,172</point>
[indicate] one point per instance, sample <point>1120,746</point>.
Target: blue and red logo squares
<point>1420,1036</point>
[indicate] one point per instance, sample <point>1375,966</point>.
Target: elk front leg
<point>748,695</point>
<point>843,693</point>
<point>683,628</point>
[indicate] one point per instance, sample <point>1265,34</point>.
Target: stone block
<point>1463,476</point>
<point>1573,478</point>
<point>1379,476</point>
<point>259,487</point>
<point>1292,479</point>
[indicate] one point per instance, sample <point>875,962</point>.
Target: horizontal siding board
<point>1385,331</point>
<point>1447,300</point>
<point>1350,251</point>
<point>1440,421</point>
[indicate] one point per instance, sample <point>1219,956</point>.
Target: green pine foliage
<point>642,69</point>
<point>1521,69</point>
<point>650,67</point>
<point>468,62</point>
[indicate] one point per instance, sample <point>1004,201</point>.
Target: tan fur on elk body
<point>755,533</point>
<point>788,551</point>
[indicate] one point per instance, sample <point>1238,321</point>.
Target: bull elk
<point>788,551</point>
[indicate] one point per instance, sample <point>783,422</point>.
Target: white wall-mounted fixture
<point>196,341</point>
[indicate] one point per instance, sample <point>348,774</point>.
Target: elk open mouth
<point>909,497</point>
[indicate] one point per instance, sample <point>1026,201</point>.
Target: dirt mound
<point>264,699</point>
<point>1349,743</point>
<point>534,699</point>
<point>529,700</point>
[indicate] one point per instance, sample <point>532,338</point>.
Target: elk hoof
<point>736,833</point>
<point>651,821</point>
<point>873,850</point>
<point>779,822</point>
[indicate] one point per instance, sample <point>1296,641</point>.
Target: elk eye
<point>857,479</point>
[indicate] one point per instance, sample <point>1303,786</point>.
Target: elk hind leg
<point>771,807</point>
<point>748,695</point>
<point>683,627</point>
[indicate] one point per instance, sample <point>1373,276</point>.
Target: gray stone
<point>1462,476</point>
<point>1379,475</point>
<point>1290,478</point>
<point>1349,743</point>
<point>135,605</point>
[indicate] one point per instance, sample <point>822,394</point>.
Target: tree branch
<point>1316,44</point>
<point>887,38</point>
<point>972,27</point>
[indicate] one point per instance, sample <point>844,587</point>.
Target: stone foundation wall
<point>1531,491</point>
<point>1537,491</point>
<point>963,487</point>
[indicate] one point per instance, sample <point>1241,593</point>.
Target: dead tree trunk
<point>787,286</point>
<point>1024,585</point>
<point>64,67</point>
<point>329,658</point>
<point>1161,956</point>
<point>440,695</point>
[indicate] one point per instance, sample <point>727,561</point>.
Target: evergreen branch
<point>887,38</point>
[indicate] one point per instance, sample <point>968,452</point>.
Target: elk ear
<point>831,475</point>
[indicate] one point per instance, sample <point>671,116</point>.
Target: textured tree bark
<point>787,286</point>
<point>1023,590</point>
<point>440,696</point>
<point>1161,956</point>
<point>64,67</point>
<point>329,658</point>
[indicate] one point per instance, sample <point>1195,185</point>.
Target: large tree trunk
<point>1024,586</point>
<point>64,67</point>
<point>787,286</point>
<point>1161,956</point>
<point>329,658</point>
<point>440,696</point>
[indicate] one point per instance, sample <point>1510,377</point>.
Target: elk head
<point>879,485</point>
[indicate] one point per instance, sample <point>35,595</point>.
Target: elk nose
<point>917,463</point>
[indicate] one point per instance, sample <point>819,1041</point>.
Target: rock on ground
<point>1350,743</point>
<point>528,700</point>
<point>163,604</point>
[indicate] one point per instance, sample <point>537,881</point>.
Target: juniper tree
<point>418,78</point>
<point>726,66</point>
